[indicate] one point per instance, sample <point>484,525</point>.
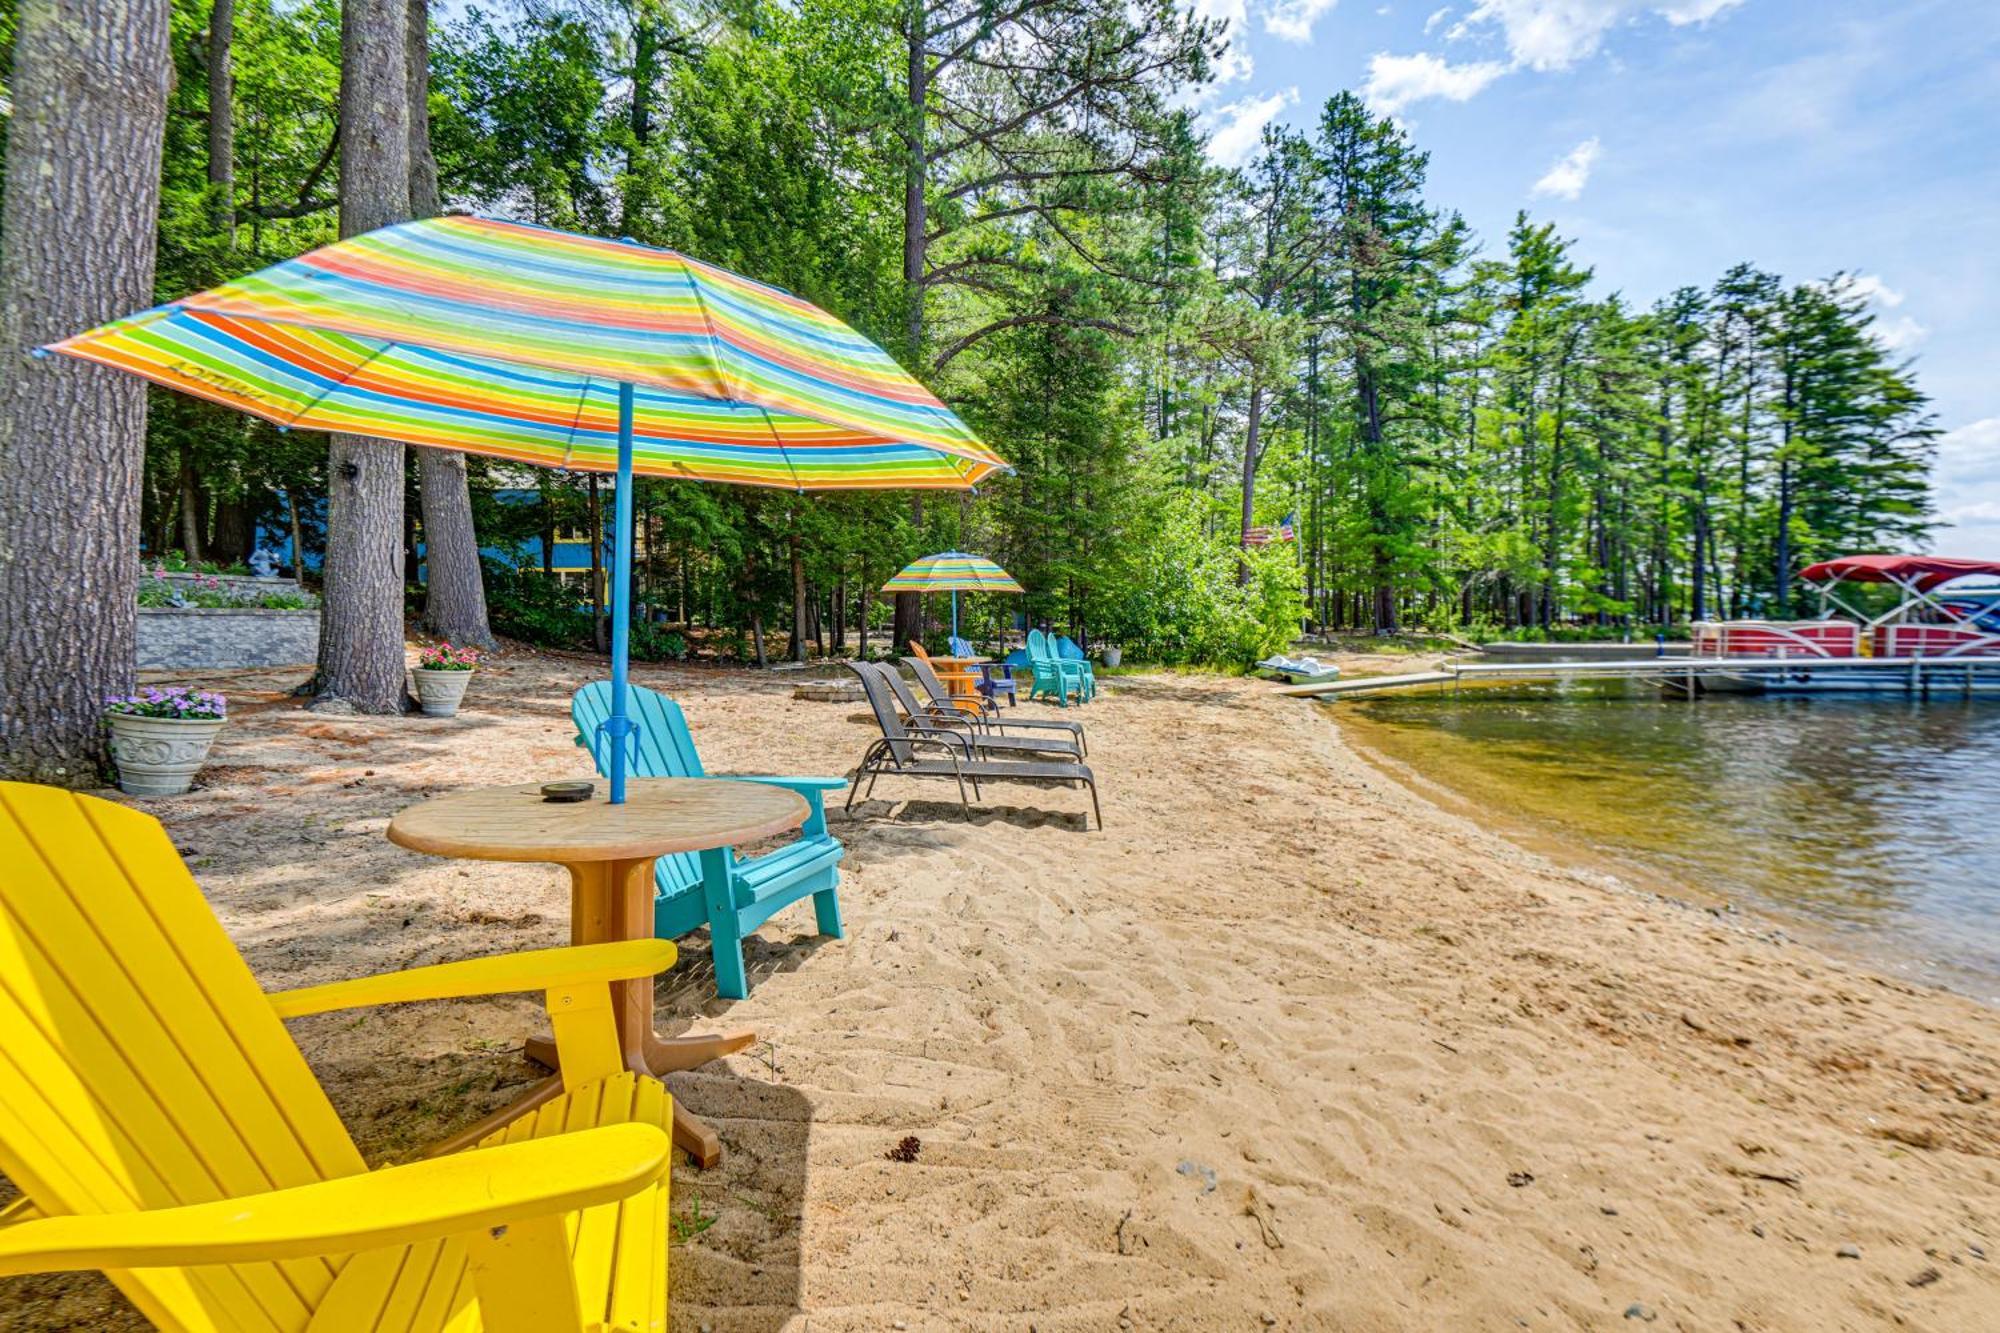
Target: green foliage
<point>528,605</point>
<point>1179,598</point>
<point>653,643</point>
<point>1166,351</point>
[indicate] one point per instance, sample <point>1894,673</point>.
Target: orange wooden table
<point>963,682</point>
<point>609,852</point>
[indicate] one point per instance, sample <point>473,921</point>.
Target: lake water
<point>1875,822</point>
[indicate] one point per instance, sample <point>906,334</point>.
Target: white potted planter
<point>442,674</point>
<point>161,738</point>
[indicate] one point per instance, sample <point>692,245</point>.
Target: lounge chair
<point>164,1128</point>
<point>987,729</point>
<point>1054,678</point>
<point>968,699</point>
<point>732,895</point>
<point>946,752</point>
<point>996,679</point>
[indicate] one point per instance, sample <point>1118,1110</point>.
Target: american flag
<point>1287,530</point>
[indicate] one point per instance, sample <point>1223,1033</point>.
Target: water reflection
<point>1877,820</point>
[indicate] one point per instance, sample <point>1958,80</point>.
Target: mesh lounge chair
<point>921,749</point>
<point>987,730</point>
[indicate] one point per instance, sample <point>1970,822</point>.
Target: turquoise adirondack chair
<point>730,894</point>
<point>1054,678</point>
<point>1067,651</point>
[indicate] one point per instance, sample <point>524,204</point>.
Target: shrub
<point>534,608</point>
<point>1178,599</point>
<point>656,643</point>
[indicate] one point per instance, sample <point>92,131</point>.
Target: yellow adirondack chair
<point>163,1127</point>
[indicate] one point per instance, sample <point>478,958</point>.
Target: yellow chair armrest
<point>463,1193</point>
<point>533,969</point>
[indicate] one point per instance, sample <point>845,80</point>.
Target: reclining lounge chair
<point>922,749</point>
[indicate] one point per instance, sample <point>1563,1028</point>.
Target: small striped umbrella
<point>557,349</point>
<point>954,572</point>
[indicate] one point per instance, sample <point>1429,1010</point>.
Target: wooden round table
<point>609,852</point>
<point>959,677</point>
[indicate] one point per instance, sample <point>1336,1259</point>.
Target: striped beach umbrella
<point>953,572</point>
<point>561,350</point>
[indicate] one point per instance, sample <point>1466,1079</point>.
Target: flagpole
<point>619,725</point>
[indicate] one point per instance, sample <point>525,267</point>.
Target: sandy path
<point>1284,1046</point>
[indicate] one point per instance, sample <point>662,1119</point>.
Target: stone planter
<point>225,638</point>
<point>1112,655</point>
<point>159,756</point>
<point>440,692</point>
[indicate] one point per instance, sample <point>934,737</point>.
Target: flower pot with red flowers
<point>442,674</point>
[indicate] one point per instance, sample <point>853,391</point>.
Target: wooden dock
<point>1691,676</point>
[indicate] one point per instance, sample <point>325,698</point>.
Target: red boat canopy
<point>1924,572</point>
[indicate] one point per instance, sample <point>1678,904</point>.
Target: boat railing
<point>1914,639</point>
<point>1777,639</point>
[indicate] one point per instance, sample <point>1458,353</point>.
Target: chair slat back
<point>141,1065</point>
<point>665,750</point>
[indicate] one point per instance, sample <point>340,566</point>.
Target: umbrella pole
<point>954,613</point>
<point>619,725</point>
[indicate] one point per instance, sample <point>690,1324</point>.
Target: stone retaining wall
<point>177,639</point>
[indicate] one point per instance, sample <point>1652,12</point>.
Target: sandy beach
<point>1284,1046</point>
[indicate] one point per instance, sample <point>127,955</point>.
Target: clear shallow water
<point>1877,822</point>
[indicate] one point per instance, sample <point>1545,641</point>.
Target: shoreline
<point>1627,871</point>
<point>1285,1046</point>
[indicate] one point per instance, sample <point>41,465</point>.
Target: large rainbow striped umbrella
<point>956,572</point>
<point>561,350</point>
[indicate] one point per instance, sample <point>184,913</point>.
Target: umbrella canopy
<point>953,572</point>
<point>512,340</point>
<point>557,349</point>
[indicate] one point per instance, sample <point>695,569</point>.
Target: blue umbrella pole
<point>619,725</point>
<point>954,613</point>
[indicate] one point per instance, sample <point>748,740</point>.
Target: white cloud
<point>1901,334</point>
<point>1681,13</point>
<point>1874,289</point>
<point>1394,82</point>
<point>1233,64</point>
<point>1239,125</point>
<point>1437,16</point>
<point>1566,179</point>
<point>1293,20</point>
<point>1967,482</point>
<point>1555,34</point>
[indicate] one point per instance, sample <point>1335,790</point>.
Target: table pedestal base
<point>664,1055</point>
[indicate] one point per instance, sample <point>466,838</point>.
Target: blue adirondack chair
<point>995,687</point>
<point>730,894</point>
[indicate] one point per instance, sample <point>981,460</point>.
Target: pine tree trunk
<point>906,622</point>
<point>222,117</point>
<point>1251,448</point>
<point>361,615</point>
<point>76,249</point>
<point>798,598</point>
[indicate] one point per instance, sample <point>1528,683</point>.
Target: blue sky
<point>1672,138</point>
